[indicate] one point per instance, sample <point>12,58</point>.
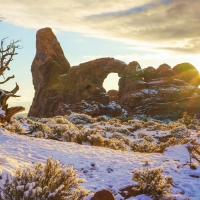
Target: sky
<point>151,32</point>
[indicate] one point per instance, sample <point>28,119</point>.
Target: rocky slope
<point>161,93</point>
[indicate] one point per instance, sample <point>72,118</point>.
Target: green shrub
<point>44,182</point>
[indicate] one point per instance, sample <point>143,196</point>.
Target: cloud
<point>171,25</point>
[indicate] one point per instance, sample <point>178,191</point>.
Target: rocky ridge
<point>161,93</point>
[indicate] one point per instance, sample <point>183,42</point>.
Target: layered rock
<point>161,93</point>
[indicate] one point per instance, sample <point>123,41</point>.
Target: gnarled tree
<point>6,56</point>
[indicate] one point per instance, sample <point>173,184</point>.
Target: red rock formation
<point>48,64</point>
<point>161,93</point>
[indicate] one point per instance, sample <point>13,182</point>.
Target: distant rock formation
<point>160,93</point>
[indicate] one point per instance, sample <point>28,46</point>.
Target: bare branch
<point>10,77</point>
<point>15,89</point>
<point>6,54</point>
<point>12,111</point>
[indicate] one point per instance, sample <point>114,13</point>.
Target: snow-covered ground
<point>101,167</point>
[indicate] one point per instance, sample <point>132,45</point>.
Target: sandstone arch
<point>152,92</point>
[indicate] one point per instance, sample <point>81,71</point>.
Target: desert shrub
<point>96,140</point>
<point>188,119</point>
<point>149,138</point>
<point>123,118</point>
<point>136,126</point>
<point>102,118</point>
<point>44,182</point>
<point>84,133</point>
<point>179,132</point>
<point>37,126</point>
<point>120,137</point>
<point>114,143</point>
<point>152,182</point>
<point>192,127</point>
<point>70,134</point>
<point>39,134</point>
<point>60,120</point>
<point>14,126</point>
<point>80,119</point>
<point>194,151</point>
<point>57,130</point>
<point>141,134</point>
<point>144,146</point>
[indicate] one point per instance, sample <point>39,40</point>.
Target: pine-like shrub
<point>152,182</point>
<point>51,181</point>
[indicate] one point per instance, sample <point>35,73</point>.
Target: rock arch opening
<point>111,86</point>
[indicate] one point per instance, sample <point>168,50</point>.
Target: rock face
<point>49,63</point>
<point>160,93</point>
<point>113,95</point>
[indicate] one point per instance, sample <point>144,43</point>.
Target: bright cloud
<point>160,24</point>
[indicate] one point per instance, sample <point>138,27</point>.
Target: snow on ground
<point>102,168</point>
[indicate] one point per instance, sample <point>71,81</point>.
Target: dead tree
<point>6,56</point>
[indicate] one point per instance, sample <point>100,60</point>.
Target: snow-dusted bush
<point>80,118</point>
<point>96,140</point>
<point>120,137</point>
<point>192,126</point>
<point>137,126</point>
<point>114,143</point>
<point>39,134</point>
<point>37,126</point>
<point>14,126</point>
<point>142,134</point>
<point>61,120</point>
<point>101,118</point>
<point>187,119</point>
<point>149,138</point>
<point>44,182</point>
<point>153,183</point>
<point>179,132</point>
<point>144,146</point>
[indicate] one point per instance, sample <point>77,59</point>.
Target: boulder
<point>103,195</point>
<point>164,70</point>
<point>187,73</point>
<point>149,73</point>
